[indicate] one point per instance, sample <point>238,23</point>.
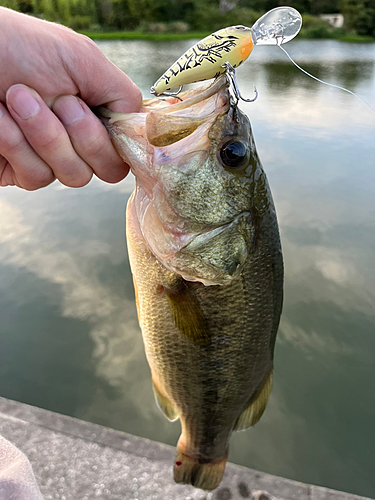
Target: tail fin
<point>206,476</point>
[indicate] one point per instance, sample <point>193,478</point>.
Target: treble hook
<point>231,72</point>
<point>167,94</point>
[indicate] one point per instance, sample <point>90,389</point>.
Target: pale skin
<point>50,76</point>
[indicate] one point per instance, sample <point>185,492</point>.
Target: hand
<point>46,130</point>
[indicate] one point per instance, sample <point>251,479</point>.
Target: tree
<point>359,15</point>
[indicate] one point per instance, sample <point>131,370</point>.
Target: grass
<point>355,38</point>
<point>139,35</point>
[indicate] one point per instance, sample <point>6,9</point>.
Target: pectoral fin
<point>165,405</point>
<point>187,314</point>
<point>254,411</point>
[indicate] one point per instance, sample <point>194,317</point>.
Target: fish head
<point>196,170</point>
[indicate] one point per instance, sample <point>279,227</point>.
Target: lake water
<point>69,337</point>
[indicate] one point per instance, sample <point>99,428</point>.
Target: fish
<point>207,268</point>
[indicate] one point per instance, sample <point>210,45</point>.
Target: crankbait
<point>207,59</point>
<point>227,48</point>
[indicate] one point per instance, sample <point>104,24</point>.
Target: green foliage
<point>359,16</point>
<point>366,22</point>
<point>208,17</point>
<point>139,35</point>
<point>314,7</point>
<point>80,22</point>
<point>153,27</point>
<point>173,27</point>
<point>351,9</point>
<point>178,16</point>
<point>314,27</point>
<point>178,27</point>
<point>11,4</point>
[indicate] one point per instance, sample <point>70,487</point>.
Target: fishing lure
<point>207,59</point>
<point>227,48</point>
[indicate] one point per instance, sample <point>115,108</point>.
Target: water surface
<point>69,337</point>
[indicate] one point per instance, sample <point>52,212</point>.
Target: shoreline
<point>162,37</point>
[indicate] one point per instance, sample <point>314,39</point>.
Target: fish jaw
<point>140,138</point>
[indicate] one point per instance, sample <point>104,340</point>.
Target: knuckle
<point>11,143</point>
<point>6,173</point>
<point>90,44</point>
<point>38,179</point>
<point>78,182</point>
<point>81,182</point>
<point>78,177</point>
<point>94,146</point>
<point>90,47</point>
<point>86,46</point>
<point>49,141</point>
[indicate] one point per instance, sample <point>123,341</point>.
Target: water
<point>69,337</point>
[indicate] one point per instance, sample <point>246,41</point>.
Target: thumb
<point>101,83</point>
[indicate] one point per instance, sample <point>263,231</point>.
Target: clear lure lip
<point>277,26</point>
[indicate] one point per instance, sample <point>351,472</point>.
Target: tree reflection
<point>282,77</point>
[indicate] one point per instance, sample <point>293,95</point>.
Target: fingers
<point>19,164</point>
<point>47,136</point>
<point>69,143</point>
<point>90,139</point>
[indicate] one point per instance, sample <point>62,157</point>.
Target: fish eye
<point>233,153</point>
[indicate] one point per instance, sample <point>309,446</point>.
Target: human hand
<point>46,130</point>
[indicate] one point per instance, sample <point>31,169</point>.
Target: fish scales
<point>205,255</point>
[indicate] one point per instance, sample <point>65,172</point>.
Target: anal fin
<point>251,415</point>
<point>187,313</point>
<point>165,405</point>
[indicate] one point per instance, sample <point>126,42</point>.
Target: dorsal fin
<point>251,415</point>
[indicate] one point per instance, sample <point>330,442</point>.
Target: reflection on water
<point>69,337</point>
<point>283,77</point>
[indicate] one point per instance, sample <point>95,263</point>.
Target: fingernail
<point>68,109</point>
<point>22,101</point>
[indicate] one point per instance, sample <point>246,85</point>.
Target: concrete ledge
<point>77,460</point>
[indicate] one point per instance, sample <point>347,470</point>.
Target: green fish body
<point>206,259</point>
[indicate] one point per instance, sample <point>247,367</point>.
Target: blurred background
<point>321,18</point>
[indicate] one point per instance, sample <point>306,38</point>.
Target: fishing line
<point>325,83</point>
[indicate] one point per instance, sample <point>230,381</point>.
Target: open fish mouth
<point>166,121</point>
<point>172,146</point>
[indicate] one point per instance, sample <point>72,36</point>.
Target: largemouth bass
<point>206,259</point>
